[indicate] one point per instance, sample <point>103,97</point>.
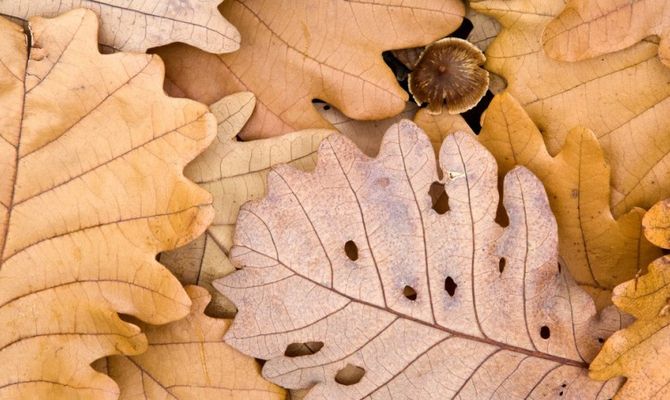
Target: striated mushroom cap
<point>449,73</point>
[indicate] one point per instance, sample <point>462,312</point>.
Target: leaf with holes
<point>620,97</point>
<point>350,280</point>
<point>640,352</point>
<point>234,172</point>
<point>91,154</point>
<point>140,25</point>
<point>328,50</point>
<point>188,359</point>
<point>591,28</point>
<point>599,251</point>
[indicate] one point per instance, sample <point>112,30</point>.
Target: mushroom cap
<point>449,72</point>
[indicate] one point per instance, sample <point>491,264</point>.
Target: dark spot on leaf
<point>545,333</point>
<point>501,264</point>
<point>302,349</point>
<point>349,375</point>
<point>439,198</point>
<point>352,250</point>
<point>450,286</point>
<point>409,292</point>
<point>383,182</point>
<point>601,340</point>
<point>559,268</point>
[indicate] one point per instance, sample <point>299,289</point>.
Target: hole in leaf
<point>302,349</point>
<point>326,107</point>
<point>450,286</point>
<point>545,333</point>
<point>501,264</point>
<point>564,385</point>
<point>439,198</point>
<point>352,250</point>
<point>409,292</point>
<point>349,375</point>
<point>561,394</point>
<point>502,218</point>
<point>601,340</point>
<point>559,268</point>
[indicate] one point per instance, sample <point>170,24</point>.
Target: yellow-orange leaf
<point>641,352</point>
<point>621,97</point>
<point>188,359</point>
<point>590,28</point>
<point>91,155</point>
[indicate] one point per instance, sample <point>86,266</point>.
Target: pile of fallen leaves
<point>181,219</point>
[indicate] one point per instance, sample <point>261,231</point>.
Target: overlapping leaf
<point>641,352</point>
<point>91,154</point>
<point>591,28</point>
<point>328,50</point>
<point>599,251</point>
<point>188,359</point>
<point>623,98</point>
<point>234,172</point>
<point>398,300</point>
<point>139,25</point>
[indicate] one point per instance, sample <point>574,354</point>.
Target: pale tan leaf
<point>139,25</point>
<point>399,301</point>
<point>91,154</point>
<point>623,98</point>
<point>328,50</point>
<point>367,135</point>
<point>641,352</point>
<point>599,251</point>
<point>234,172</point>
<point>188,359</point>
<point>591,28</point>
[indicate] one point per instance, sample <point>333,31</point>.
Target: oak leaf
<point>140,25</point>
<point>640,352</point>
<point>188,359</point>
<point>91,154</point>
<point>620,97</point>
<point>328,50</point>
<point>397,300</point>
<point>590,28</point>
<point>599,251</point>
<point>234,172</point>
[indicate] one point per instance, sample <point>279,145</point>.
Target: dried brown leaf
<point>591,28</point>
<point>328,50</point>
<point>641,352</point>
<point>188,359</point>
<point>397,300</point>
<point>623,98</point>
<point>91,152</point>
<point>234,172</point>
<point>139,25</point>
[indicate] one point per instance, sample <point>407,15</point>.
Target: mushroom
<point>448,71</point>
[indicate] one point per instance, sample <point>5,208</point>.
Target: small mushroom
<point>449,72</point>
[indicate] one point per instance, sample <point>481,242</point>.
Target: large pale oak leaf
<point>623,98</point>
<point>91,156</point>
<point>295,51</point>
<point>139,25</point>
<point>397,300</point>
